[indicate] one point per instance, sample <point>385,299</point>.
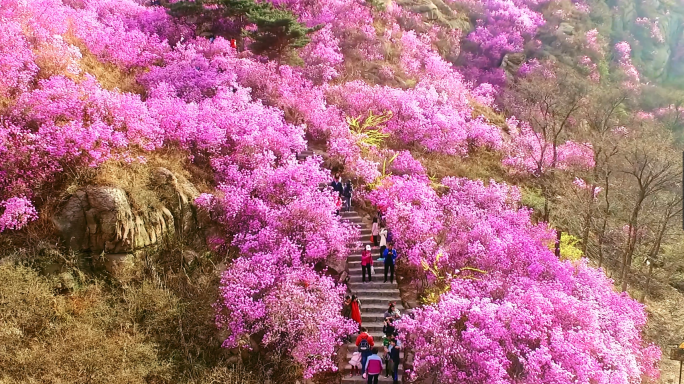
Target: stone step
<point>352,213</point>
<point>367,299</point>
<point>380,351</point>
<point>373,317</point>
<point>379,267</point>
<point>371,291</point>
<point>373,327</point>
<point>354,218</point>
<point>376,283</point>
<point>356,256</point>
<point>357,379</point>
<point>356,282</point>
<point>356,264</point>
<point>376,307</point>
<point>347,216</point>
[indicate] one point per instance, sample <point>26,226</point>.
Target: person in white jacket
<point>375,231</point>
<point>383,239</point>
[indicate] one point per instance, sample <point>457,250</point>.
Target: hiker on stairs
<point>347,194</point>
<point>337,185</point>
<point>390,256</point>
<point>366,264</point>
<point>375,232</point>
<point>391,312</point>
<point>356,309</point>
<point>364,342</point>
<point>383,239</point>
<point>373,367</point>
<point>394,352</point>
<point>388,327</point>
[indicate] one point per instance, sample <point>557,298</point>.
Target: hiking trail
<point>374,296</point>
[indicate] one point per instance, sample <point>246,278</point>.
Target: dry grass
<point>480,164</point>
<point>134,178</point>
<point>48,338</point>
<point>108,75</point>
<point>104,332</point>
<point>489,114</point>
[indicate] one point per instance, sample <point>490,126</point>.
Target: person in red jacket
<point>356,309</point>
<point>366,263</point>
<point>364,342</point>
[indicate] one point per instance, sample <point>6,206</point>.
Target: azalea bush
<point>569,327</point>
<point>294,310</point>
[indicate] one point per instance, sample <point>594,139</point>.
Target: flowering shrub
<point>525,312</point>
<point>502,26</point>
<point>18,212</point>
<point>405,164</point>
<point>624,59</point>
<point>529,331</point>
<point>295,309</point>
<point>423,116</point>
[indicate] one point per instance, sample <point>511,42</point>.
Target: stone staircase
<point>374,298</point>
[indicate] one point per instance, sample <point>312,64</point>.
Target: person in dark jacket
<point>337,185</point>
<point>347,195</point>
<point>394,353</point>
<point>346,307</point>
<point>388,327</point>
<point>390,256</point>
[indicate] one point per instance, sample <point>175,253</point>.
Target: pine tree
<point>208,14</point>
<point>278,32</point>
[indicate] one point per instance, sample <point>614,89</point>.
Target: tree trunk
<point>604,225</point>
<point>559,234</point>
<point>546,210</point>
<point>631,240</point>
<point>587,222</point>
<point>648,283</point>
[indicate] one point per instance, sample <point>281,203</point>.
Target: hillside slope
<point>152,188</point>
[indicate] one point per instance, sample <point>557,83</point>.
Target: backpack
<point>363,345</point>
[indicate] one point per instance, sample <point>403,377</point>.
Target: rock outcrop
<point>437,11</point>
<point>101,219</point>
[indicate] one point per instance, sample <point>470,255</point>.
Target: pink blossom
<point>18,212</point>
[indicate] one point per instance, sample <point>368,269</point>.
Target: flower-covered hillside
<point>238,89</point>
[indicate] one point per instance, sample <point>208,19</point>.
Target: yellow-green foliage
<point>441,286</point>
<point>432,294</point>
<point>532,197</point>
<point>384,173</point>
<point>369,131</point>
<point>568,247</point>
